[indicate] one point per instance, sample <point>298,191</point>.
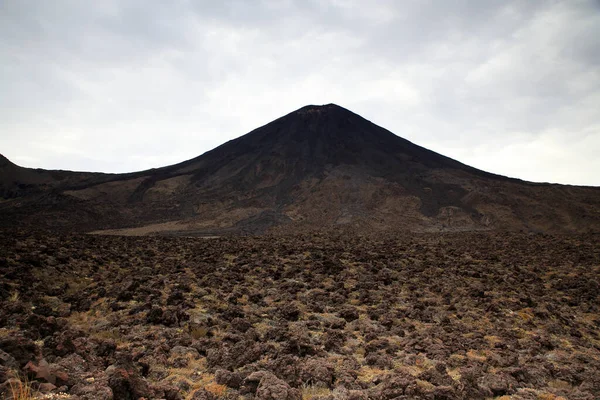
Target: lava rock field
<point>313,316</point>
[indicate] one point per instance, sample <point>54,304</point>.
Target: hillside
<point>319,167</point>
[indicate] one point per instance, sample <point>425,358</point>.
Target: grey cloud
<point>131,84</point>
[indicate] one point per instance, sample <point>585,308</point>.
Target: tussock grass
<point>14,297</point>
<point>21,390</point>
<point>311,392</point>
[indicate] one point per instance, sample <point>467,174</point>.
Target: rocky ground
<point>452,316</point>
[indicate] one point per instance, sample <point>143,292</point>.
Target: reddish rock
<point>21,349</point>
<point>230,379</point>
<point>271,388</point>
<point>203,395</point>
<point>46,387</point>
<point>51,373</point>
<point>95,391</point>
<point>317,371</point>
<point>126,384</point>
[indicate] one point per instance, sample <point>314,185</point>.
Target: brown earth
<point>316,168</point>
<point>313,316</point>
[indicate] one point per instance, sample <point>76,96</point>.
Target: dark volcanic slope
<point>311,142</point>
<point>319,166</point>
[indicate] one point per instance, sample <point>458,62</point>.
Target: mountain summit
<point>317,167</point>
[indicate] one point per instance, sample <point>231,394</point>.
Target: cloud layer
<point>509,87</point>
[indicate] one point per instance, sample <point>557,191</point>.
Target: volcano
<point>319,167</point>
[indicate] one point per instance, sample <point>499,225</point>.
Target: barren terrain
<point>319,167</point>
<point>315,316</point>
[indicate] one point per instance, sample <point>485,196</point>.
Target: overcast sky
<point>510,87</point>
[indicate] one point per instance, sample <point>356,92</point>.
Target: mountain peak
<point>325,109</point>
<point>311,108</point>
<point>320,166</point>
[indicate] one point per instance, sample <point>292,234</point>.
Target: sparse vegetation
<point>216,389</point>
<point>14,297</point>
<point>20,389</point>
<point>198,332</point>
<point>307,317</point>
<point>313,392</point>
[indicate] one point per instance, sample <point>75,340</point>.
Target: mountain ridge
<point>318,167</point>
